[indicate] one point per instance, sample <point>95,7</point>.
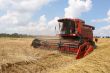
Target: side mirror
<point>93,28</point>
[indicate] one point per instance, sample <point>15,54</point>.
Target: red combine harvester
<point>75,37</point>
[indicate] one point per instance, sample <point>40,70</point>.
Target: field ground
<point>17,56</point>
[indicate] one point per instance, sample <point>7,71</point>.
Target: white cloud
<point>22,5</point>
<point>108,13</point>
<point>42,24</point>
<point>17,15</point>
<point>52,24</point>
<point>40,27</point>
<point>14,19</point>
<point>45,27</point>
<point>28,5</point>
<point>30,28</point>
<point>107,19</point>
<point>77,7</point>
<point>103,31</point>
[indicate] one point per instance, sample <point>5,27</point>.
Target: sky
<point>39,17</point>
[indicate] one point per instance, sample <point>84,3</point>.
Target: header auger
<point>75,37</point>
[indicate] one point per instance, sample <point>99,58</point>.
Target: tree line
<point>15,35</point>
<point>101,36</point>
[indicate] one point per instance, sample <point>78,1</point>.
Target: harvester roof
<point>76,20</point>
<point>70,19</point>
<point>90,26</point>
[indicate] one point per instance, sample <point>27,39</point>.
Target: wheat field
<point>18,56</point>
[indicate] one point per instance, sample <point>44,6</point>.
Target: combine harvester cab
<point>75,37</point>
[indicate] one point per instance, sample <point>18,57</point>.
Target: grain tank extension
<point>75,37</point>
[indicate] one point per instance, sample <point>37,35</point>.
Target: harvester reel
<point>36,43</point>
<point>45,44</point>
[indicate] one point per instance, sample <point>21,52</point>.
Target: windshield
<point>68,27</point>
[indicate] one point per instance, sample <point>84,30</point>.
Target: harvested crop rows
<point>17,56</point>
